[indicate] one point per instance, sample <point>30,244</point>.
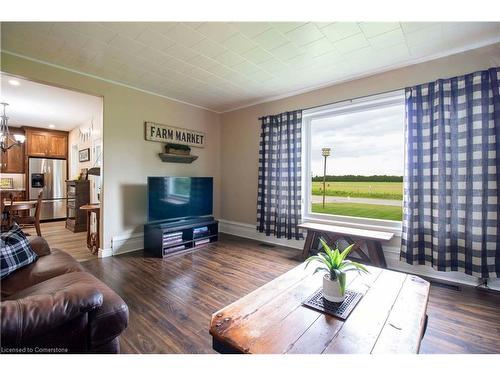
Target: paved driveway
<point>330,199</point>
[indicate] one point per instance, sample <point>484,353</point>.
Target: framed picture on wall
<point>84,155</point>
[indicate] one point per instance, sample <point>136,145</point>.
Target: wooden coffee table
<point>390,318</point>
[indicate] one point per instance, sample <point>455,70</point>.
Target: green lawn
<point>380,190</point>
<point>373,211</point>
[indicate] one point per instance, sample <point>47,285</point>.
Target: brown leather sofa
<point>54,306</point>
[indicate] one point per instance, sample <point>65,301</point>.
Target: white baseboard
<point>391,254</point>
<point>103,253</point>
<point>249,231</point>
<point>127,243</point>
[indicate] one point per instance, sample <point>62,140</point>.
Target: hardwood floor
<point>58,236</point>
<point>171,300</point>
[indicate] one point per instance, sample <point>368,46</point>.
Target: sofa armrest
<point>39,245</point>
<point>35,314</point>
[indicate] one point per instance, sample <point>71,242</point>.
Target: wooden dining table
<point>9,206</point>
<point>20,205</point>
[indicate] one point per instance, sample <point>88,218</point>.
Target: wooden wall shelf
<point>173,158</point>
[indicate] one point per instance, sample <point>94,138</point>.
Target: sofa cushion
<point>56,263</point>
<point>15,251</point>
<point>106,322</point>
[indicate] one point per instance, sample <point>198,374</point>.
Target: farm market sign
<point>169,134</point>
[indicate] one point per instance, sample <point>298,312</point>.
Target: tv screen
<point>179,197</point>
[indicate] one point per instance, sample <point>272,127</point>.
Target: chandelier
<point>7,140</point>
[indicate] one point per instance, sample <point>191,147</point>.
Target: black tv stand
<point>164,238</point>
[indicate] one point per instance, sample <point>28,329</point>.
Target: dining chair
<point>31,221</point>
<point>5,217</point>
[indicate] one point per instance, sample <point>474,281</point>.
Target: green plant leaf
<point>325,245</point>
<point>342,280</point>
<point>346,252</point>
<point>313,258</point>
<point>320,268</point>
<point>359,266</point>
<point>326,259</point>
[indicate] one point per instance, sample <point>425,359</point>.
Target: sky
<point>364,143</point>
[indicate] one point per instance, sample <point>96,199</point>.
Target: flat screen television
<point>179,197</point>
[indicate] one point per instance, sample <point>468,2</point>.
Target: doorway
<point>63,154</point>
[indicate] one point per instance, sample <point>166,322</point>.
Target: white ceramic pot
<point>331,289</point>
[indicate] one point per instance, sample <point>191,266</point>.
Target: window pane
<point>364,172</point>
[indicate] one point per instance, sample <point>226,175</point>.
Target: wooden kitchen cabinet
<point>36,143</point>
<point>58,145</point>
<point>46,143</point>
<point>13,158</point>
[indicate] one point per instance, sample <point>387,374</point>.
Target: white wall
<point>93,127</point>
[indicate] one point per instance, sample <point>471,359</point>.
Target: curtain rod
<point>346,100</point>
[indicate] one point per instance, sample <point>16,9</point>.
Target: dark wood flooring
<point>171,300</point>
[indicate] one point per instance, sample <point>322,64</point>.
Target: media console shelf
<point>165,238</point>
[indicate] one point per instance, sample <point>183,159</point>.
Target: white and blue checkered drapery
<point>279,188</point>
<point>452,175</point>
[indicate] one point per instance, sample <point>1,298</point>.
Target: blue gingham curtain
<point>452,183</point>
<point>279,189</point>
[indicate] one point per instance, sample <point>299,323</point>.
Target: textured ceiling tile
<point>246,67</point>
<point>251,29</point>
<point>425,35</point>
<point>273,66</point>
<point>285,27</point>
<point>257,55</point>
<point>318,47</point>
<point>351,43</point>
<point>162,27</point>
<point>93,30</point>
<point>410,27</point>
<point>217,31</point>
<point>340,30</point>
<point>187,35</point>
<point>222,70</point>
<point>371,29</point>
<point>154,40</point>
<point>287,51</point>
<point>270,39</point>
<point>304,34</point>
<point>61,32</point>
<point>203,62</point>
<point>260,76</point>
<point>388,39</point>
<point>179,59</point>
<point>181,52</point>
<point>127,44</point>
<point>208,48</point>
<point>229,58</point>
<point>129,29</point>
<point>300,61</point>
<point>239,43</point>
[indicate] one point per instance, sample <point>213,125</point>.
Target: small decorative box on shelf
<point>166,238</point>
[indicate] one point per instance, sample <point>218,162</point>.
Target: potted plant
<point>173,148</point>
<point>335,265</point>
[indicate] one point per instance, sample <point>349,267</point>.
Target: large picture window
<point>363,178</point>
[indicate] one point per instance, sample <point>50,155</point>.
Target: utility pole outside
<point>326,153</point>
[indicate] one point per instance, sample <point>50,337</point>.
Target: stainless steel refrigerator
<point>49,175</point>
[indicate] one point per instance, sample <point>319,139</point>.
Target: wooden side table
<point>92,237</point>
